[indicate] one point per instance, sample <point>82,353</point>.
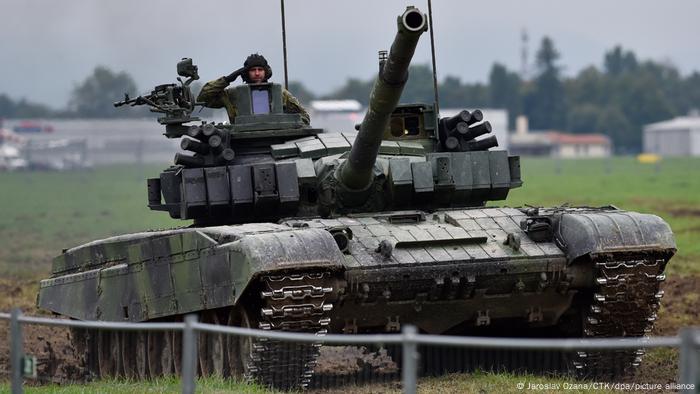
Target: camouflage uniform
<point>215,95</point>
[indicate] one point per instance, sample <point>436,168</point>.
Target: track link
<point>625,302</point>
<point>293,302</point>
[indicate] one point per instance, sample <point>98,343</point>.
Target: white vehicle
<point>11,158</point>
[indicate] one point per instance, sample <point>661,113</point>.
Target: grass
<point>43,212</point>
<point>477,382</point>
<point>156,386</point>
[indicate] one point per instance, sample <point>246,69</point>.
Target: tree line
<point>616,100</point>
<point>92,98</point>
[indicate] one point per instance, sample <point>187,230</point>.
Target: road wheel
<point>211,349</point>
<point>134,352</point>
<point>109,353</point>
<point>160,354</point>
<point>240,348</point>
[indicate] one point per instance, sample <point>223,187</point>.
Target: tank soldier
<point>255,70</point>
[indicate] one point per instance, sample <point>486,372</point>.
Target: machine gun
<point>173,100</point>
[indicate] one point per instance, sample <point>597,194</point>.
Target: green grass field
<point>41,213</point>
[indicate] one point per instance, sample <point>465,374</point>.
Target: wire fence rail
<point>688,341</point>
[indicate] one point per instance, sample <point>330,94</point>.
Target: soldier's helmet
<point>256,60</point>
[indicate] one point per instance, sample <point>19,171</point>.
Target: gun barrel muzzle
<point>216,143</point>
<point>476,116</point>
<point>209,129</point>
<point>227,155</point>
<point>195,131</point>
<point>452,143</point>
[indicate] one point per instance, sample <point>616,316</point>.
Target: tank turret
<point>356,172</point>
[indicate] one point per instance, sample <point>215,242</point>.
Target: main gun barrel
<point>356,172</point>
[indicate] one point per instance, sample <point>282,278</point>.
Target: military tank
<point>298,229</point>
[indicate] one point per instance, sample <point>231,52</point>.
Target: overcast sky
<point>47,47</point>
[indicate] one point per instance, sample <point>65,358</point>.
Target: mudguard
<point>161,273</point>
<point>581,233</point>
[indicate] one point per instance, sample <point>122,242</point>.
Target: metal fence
<point>409,339</point>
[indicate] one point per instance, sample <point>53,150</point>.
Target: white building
<point>336,115</point>
<point>676,137</point>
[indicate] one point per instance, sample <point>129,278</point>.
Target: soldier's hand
<point>232,77</point>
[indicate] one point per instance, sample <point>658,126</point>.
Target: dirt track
<point>58,362</point>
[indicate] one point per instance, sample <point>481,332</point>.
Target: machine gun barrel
<point>356,171</point>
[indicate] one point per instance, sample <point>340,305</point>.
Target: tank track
<point>625,301</point>
<point>292,302</point>
<point>299,302</point>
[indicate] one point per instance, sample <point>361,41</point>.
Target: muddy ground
<point>57,362</point>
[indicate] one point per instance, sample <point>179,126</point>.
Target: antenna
<point>432,51</point>
<point>523,55</point>
<point>284,46</point>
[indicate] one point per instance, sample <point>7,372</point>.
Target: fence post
<point>189,355</point>
<point>410,359</point>
<point>16,350</point>
<point>689,360</point>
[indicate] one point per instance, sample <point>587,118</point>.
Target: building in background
<point>580,145</point>
<point>557,144</point>
<point>336,115</point>
<point>98,141</point>
<point>676,137</point>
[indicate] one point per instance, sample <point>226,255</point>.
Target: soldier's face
<point>256,74</point>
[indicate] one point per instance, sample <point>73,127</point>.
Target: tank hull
<point>480,270</point>
<point>455,257</point>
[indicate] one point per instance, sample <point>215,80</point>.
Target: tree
<point>455,94</point>
<point>419,87</point>
<point>451,93</point>
<point>546,58</point>
<point>504,91</point>
<point>615,124</point>
<point>583,119</point>
<point>643,101</point>
<point>589,87</point>
<point>94,96</point>
<point>692,92</point>
<point>618,61</point>
<point>301,92</point>
<point>353,89</point>
<point>545,104</point>
<point>7,106</point>
<point>22,108</point>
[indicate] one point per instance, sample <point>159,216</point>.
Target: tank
<point>301,229</point>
